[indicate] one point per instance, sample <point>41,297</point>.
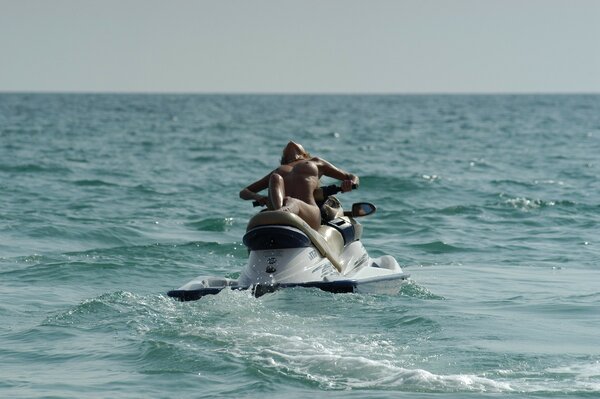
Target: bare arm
<point>328,169</point>
<point>251,192</point>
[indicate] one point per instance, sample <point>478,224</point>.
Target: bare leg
<point>276,192</point>
<point>278,201</point>
<point>309,213</point>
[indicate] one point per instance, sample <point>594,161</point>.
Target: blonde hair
<point>304,155</point>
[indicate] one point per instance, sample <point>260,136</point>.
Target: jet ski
<point>284,252</point>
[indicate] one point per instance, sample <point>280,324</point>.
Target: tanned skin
<point>292,185</point>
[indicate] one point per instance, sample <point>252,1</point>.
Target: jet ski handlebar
<point>321,193</point>
<point>326,191</point>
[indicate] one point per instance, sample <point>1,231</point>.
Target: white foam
<point>579,371</point>
<point>337,371</point>
<point>265,334</point>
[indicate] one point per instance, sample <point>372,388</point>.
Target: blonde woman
<point>292,185</point>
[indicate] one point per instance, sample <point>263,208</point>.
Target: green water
<point>492,203</point>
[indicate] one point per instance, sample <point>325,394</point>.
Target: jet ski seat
<point>328,241</point>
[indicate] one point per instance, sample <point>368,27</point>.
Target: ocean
<point>490,202</point>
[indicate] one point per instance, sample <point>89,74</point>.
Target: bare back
<point>292,185</point>
<point>301,179</point>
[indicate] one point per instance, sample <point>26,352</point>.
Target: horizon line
<point>302,93</point>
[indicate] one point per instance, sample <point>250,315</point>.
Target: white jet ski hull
<point>285,252</point>
<point>270,270</point>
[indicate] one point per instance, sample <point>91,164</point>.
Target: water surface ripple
<point>490,202</point>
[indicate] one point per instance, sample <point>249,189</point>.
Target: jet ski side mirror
<point>362,209</point>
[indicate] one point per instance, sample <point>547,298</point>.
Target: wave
<point>414,290</point>
<point>212,224</point>
<point>107,236</point>
<point>285,338</point>
<point>93,183</point>
<point>524,203</point>
<point>395,184</point>
<point>460,210</point>
<point>510,182</point>
<point>284,344</point>
<point>583,298</point>
<point>440,247</point>
<point>34,168</point>
<point>119,265</point>
<point>337,371</point>
<point>109,311</point>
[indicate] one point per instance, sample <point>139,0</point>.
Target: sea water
<point>491,203</point>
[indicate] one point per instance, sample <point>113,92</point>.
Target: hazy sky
<point>373,46</point>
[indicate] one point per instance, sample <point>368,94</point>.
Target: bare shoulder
<point>319,161</point>
<point>328,169</point>
<point>282,169</point>
<point>323,163</point>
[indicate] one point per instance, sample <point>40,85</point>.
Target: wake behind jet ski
<point>284,251</point>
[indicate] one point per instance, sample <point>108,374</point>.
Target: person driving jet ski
<point>292,185</point>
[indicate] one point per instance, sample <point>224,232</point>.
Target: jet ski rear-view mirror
<point>362,209</point>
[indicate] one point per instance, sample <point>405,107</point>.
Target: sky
<point>303,46</point>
